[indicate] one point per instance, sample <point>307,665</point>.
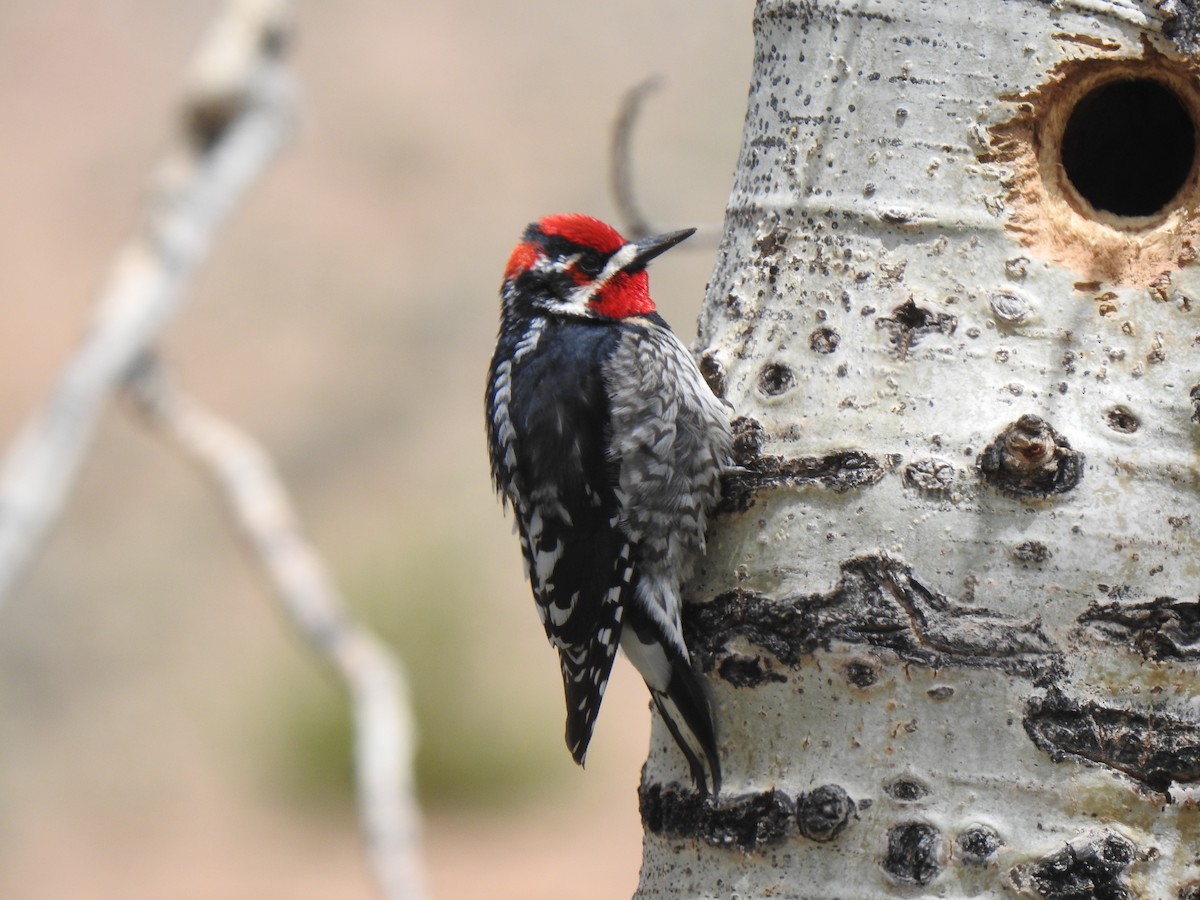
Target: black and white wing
<point>548,434</point>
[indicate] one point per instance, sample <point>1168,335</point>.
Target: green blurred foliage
<point>473,745</point>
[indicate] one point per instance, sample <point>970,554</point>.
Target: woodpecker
<point>609,446</point>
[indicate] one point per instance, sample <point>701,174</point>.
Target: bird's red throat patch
<point>625,294</point>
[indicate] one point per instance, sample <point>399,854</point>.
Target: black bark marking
<point>879,602</point>
<point>909,323</point>
<point>1031,459</point>
<point>860,674</point>
<point>1122,419</point>
<point>824,813</point>
<point>1032,552</point>
<point>748,439</point>
<point>824,340</point>
<point>1154,748</point>
<point>912,853</point>
<point>747,671</point>
<point>839,472</point>
<point>747,821</point>
<point>775,379</point>
<point>1162,628</point>
<point>714,373</point>
<point>906,790</point>
<point>929,474</point>
<point>772,244</point>
<point>977,845</point>
<point>1194,396</point>
<point>802,14</point>
<point>1091,869</point>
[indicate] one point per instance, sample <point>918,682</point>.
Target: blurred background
<point>162,733</point>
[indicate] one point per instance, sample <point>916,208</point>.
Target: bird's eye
<point>590,264</point>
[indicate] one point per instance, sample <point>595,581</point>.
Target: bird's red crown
<point>623,294</point>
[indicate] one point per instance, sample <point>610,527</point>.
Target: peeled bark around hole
<point>949,615</point>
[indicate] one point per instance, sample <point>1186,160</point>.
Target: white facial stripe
<point>570,307</point>
<point>617,262</point>
<point>583,294</point>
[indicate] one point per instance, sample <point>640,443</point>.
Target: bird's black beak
<point>648,248</point>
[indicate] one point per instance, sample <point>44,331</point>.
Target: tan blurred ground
<point>346,319</point>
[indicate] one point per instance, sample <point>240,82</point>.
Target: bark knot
<point>909,323</point>
<point>1030,459</point>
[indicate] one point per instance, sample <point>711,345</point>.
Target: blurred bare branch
<point>238,110</point>
<point>634,222</point>
<point>194,192</point>
<point>259,504</point>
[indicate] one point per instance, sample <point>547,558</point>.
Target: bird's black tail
<point>685,712</point>
<point>678,695</point>
<point>585,673</point>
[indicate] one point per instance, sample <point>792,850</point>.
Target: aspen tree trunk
<point>948,615</point>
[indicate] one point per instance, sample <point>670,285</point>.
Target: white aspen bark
<point>948,613</point>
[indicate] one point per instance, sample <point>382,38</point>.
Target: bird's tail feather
<point>662,659</point>
<point>685,712</point>
<point>585,675</point>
